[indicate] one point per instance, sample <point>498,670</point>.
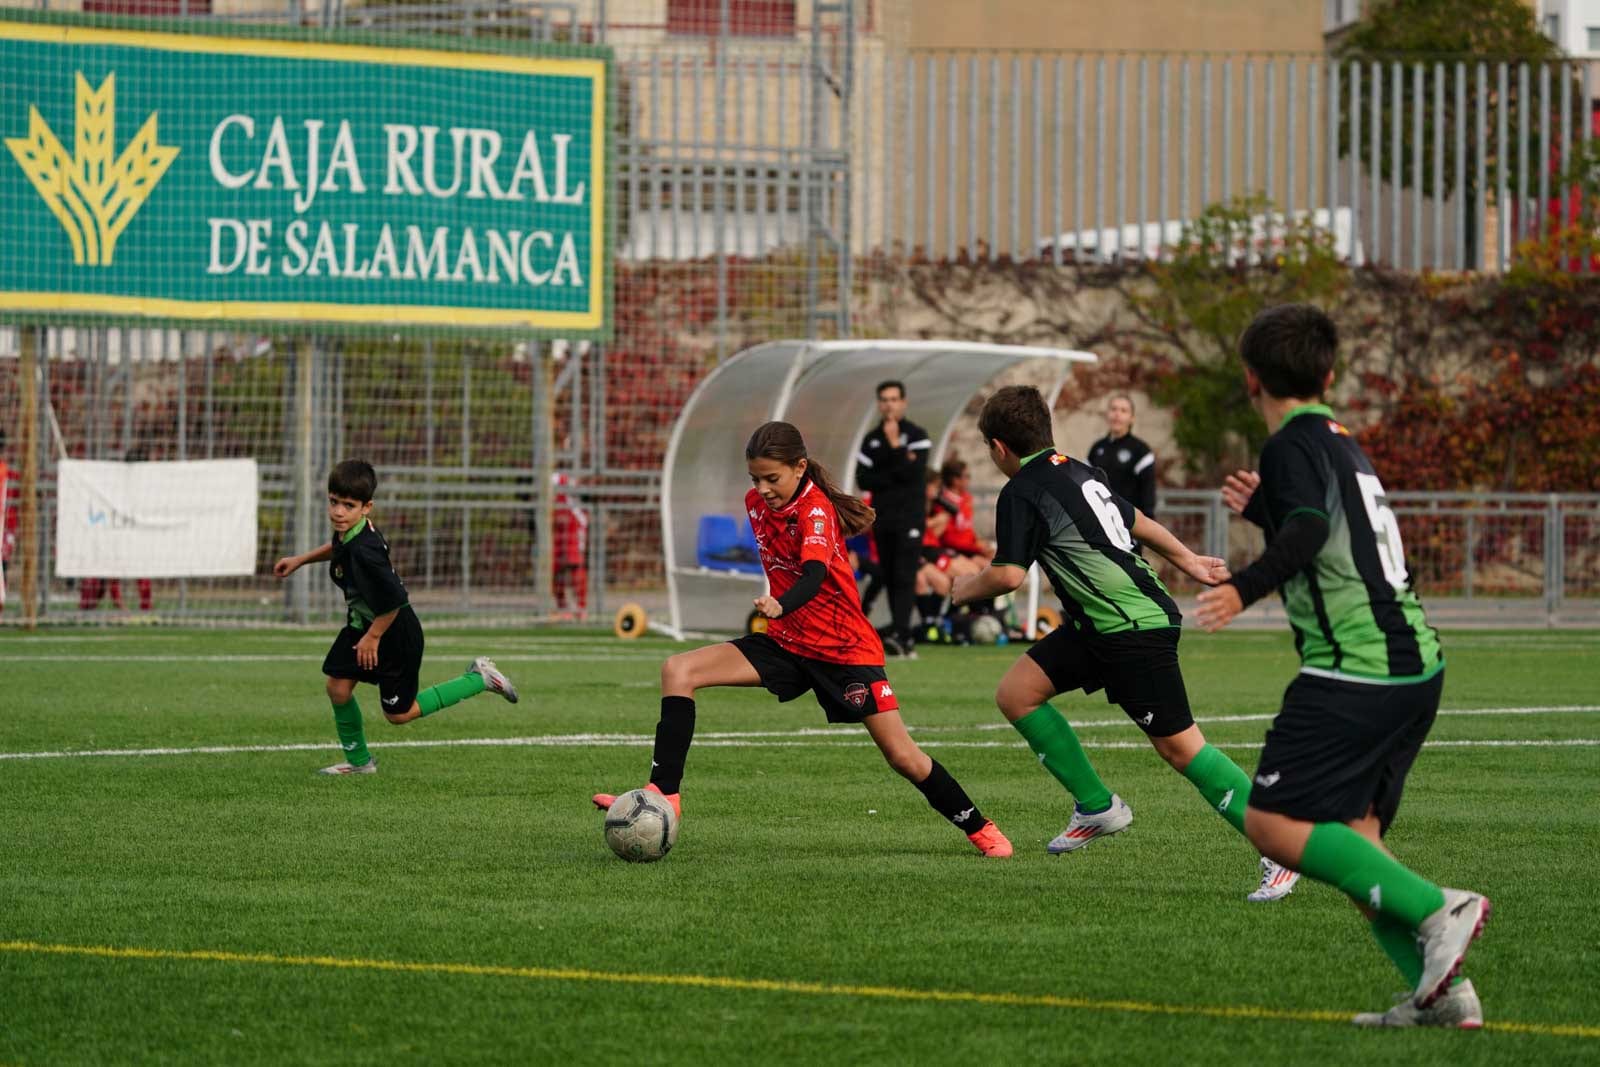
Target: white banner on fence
<point>189,519</point>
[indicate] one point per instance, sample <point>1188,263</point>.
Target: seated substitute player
<point>817,640</point>
<point>955,497</point>
<point>1354,718</point>
<point>381,643</point>
<point>1122,626</point>
<point>940,565</point>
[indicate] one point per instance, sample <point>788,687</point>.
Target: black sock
<point>673,734</point>
<point>929,604</point>
<point>947,798</point>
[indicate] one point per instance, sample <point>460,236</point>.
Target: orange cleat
<point>990,841</point>
<point>603,801</point>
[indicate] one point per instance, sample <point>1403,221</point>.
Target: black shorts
<point>1337,749</point>
<point>399,661</point>
<point>848,692</point>
<point>1138,670</point>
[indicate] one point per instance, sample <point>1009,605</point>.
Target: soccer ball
<point>641,826</point>
<point>986,630</point>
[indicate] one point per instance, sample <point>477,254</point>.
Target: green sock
<point>1052,740</point>
<point>1399,943</point>
<point>1219,779</point>
<point>347,720</point>
<point>447,693</point>
<point>1342,858</point>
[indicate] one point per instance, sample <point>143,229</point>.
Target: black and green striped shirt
<point>1060,513</point>
<point>1354,611</point>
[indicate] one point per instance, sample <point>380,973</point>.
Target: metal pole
<point>31,418</point>
<point>466,474</point>
<point>305,482</point>
<point>544,477</point>
<point>720,216</point>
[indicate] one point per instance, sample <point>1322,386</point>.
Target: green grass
<point>802,860</point>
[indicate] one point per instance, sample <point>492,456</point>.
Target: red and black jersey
<point>960,535</point>
<point>830,626</point>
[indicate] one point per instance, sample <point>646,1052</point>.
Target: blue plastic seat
<point>725,543</point>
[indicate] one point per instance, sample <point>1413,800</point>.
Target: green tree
<point>1228,265</point>
<point>1438,34</point>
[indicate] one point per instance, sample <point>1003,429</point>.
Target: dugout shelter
<point>826,389</point>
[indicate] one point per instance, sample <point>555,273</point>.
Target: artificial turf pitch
<point>230,906</point>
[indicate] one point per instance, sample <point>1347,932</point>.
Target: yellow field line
<point>754,985</point>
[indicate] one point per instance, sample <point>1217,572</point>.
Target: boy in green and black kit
<point>1371,670</point>
<point>381,642</point>
<point>1121,628</point>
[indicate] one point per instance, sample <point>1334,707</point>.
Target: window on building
<point>1337,14</point>
<point>1552,27</point>
<point>1593,42</point>
<point>746,18</point>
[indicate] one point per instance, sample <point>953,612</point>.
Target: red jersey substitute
<point>960,535</point>
<point>830,626</point>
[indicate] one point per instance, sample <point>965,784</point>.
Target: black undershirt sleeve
<point>811,575</point>
<point>1291,551</point>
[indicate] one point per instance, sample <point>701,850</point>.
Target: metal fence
<point>1418,165</point>
<point>1516,558</point>
<point>755,178</point>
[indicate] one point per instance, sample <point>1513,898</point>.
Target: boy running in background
<point>1122,626</point>
<point>1353,720</point>
<point>381,642</point>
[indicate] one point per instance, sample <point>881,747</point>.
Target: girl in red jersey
<point>817,639</point>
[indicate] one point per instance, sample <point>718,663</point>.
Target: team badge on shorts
<point>855,694</point>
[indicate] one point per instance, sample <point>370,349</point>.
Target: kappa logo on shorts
<point>392,700</point>
<point>884,696</point>
<point>855,694</point>
<point>1149,718</point>
<point>1267,781</point>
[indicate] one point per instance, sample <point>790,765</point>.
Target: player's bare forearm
<point>1207,569</point>
<point>1150,532</point>
<point>992,581</point>
<point>289,564</point>
<point>381,624</point>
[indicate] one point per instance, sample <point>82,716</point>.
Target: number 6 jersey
<point>1059,512</point>
<point>1355,614</point>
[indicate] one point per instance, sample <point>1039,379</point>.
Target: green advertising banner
<point>187,177</point>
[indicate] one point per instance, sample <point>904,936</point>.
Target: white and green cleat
<point>369,767</point>
<point>1277,882</point>
<point>493,680</point>
<point>1443,939</point>
<point>1457,1009</point>
<point>1085,828</point>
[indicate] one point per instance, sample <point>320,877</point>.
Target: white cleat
<point>1458,1009</point>
<point>1443,939</point>
<point>493,680</point>
<point>369,767</point>
<point>1277,882</point>
<point>1085,828</point>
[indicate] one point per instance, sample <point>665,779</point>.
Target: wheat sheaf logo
<point>93,196</point>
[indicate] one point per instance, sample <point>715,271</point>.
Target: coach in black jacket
<point>891,464</point>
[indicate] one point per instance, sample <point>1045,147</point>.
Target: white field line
<point>642,741</point>
<point>806,737</point>
<point>1548,709</point>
